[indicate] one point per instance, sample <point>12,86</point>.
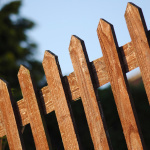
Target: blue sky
<point>57,20</point>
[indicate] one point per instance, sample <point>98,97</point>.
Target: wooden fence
<point>82,83</point>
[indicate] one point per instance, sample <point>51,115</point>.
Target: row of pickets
<point>112,67</point>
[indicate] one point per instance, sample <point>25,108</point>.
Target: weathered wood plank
<point>2,128</point>
<point>54,79</point>
<point>99,69</point>
<point>128,55</point>
<point>35,119</point>
<point>47,100</point>
<point>119,85</point>
<point>73,85</point>
<point>138,32</point>
<point>9,119</point>
<point>100,73</point>
<point>88,95</point>
<point>23,112</point>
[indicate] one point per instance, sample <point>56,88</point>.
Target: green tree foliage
<point>16,47</point>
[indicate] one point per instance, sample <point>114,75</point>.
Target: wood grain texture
<point>54,79</point>
<point>2,128</point>
<point>119,85</point>
<point>100,72</point>
<point>35,118</point>
<point>88,95</point>
<point>9,119</point>
<point>138,32</point>
<point>101,76</point>
<point>47,100</point>
<point>130,62</point>
<point>73,85</point>
<point>23,112</point>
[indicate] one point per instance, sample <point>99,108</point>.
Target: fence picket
<point>35,119</point>
<point>9,119</point>
<point>119,85</point>
<point>138,32</point>
<point>88,95</point>
<point>82,83</point>
<point>2,128</point>
<point>54,77</point>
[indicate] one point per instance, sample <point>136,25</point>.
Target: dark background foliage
<point>16,47</point>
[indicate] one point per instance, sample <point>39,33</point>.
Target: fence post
<point>138,32</point>
<point>12,128</point>
<point>119,85</point>
<point>35,118</point>
<point>88,94</point>
<point>54,77</point>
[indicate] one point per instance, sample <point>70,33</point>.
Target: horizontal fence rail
<point>82,83</point>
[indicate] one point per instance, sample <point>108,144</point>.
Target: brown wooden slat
<point>74,89</point>
<point>53,76</point>
<point>2,128</point>
<point>99,69</point>
<point>35,119</point>
<point>47,100</point>
<point>119,85</point>
<point>130,53</point>
<point>138,32</point>
<point>88,95</point>
<point>23,111</point>
<point>12,129</point>
<point>100,73</point>
<point>128,56</point>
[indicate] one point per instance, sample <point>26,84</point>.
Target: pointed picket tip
<point>3,82</point>
<point>49,55</point>
<point>75,42</point>
<point>131,7</point>
<point>104,26</point>
<point>3,85</point>
<point>23,70</point>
